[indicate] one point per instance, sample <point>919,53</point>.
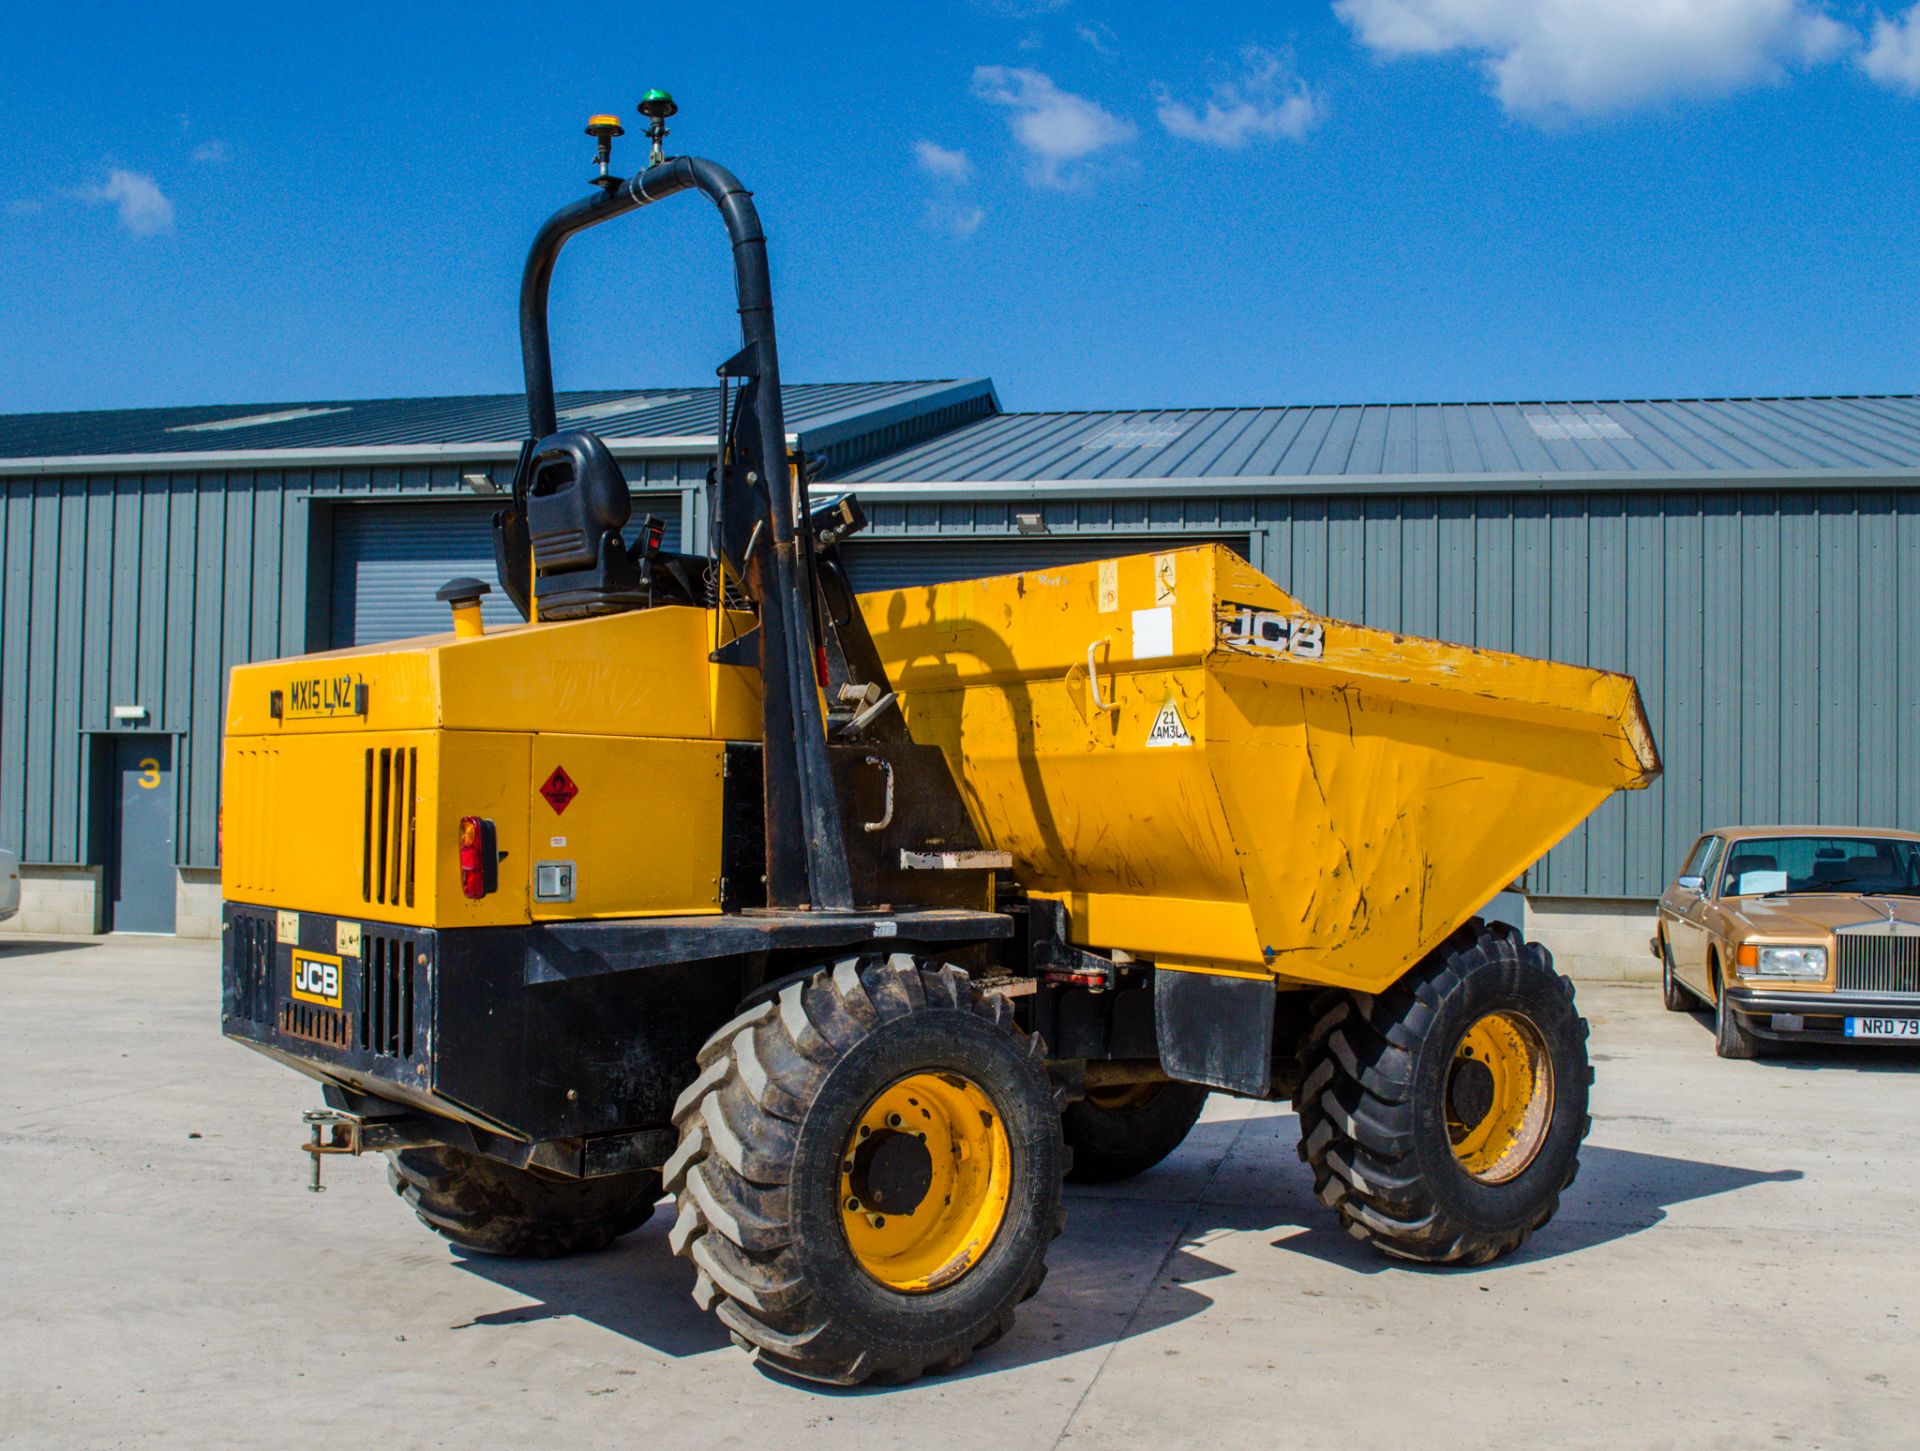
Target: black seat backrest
<point>577,503</point>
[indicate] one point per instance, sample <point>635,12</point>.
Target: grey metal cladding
<point>835,410</point>
<point>1408,442</point>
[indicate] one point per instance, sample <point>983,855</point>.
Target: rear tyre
<point>1731,1036</point>
<point>1443,1117</point>
<point>869,1172</point>
<point>1673,997</point>
<point>1115,1133</point>
<point>492,1208</point>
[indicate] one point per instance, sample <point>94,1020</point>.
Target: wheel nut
<point>853,1205</point>
<point>879,1221</point>
<point>893,1120</point>
<point>865,1131</point>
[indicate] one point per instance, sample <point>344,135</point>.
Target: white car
<point>9,883</point>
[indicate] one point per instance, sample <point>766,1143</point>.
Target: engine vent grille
<point>387,996</point>
<point>387,838</point>
<point>317,1025</point>
<point>250,941</point>
<point>1876,964</point>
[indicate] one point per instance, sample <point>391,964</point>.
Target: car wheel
<point>1731,1037</point>
<point>1674,997</point>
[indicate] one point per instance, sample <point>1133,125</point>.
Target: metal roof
<point>821,413</point>
<point>1424,443</point>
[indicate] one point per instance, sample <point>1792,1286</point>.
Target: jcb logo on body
<point>316,979</point>
<point>1269,630</point>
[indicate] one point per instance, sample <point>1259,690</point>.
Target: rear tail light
<point>479,857</point>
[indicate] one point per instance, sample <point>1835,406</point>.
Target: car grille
<point>1876,964</point>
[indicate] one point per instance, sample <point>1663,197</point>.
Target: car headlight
<point>1792,964</point>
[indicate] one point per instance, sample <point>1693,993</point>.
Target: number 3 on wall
<point>149,773</point>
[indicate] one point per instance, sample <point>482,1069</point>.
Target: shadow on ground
<point>1132,1258</point>
<point>37,946</point>
<point>1884,1057</point>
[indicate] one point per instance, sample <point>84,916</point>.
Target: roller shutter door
<point>895,563</point>
<point>388,559</point>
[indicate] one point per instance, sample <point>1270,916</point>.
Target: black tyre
<point>483,1205</point>
<point>1731,1037</point>
<point>1673,997</point>
<point>869,1172</point>
<point>1443,1117</point>
<point>1116,1133</point>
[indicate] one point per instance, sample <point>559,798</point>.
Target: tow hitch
<point>330,1131</point>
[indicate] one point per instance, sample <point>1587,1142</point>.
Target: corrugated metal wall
<point>145,589</point>
<point>1774,634</point>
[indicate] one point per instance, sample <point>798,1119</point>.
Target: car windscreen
<point>1761,865</point>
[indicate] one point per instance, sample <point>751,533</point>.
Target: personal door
<point>140,886</point>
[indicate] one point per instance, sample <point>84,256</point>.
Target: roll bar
<point>806,849</point>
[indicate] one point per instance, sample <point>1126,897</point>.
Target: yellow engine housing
<point>347,773</point>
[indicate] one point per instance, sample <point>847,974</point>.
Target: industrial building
<point>1749,561</point>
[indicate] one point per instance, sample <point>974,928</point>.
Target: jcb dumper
<point>856,923</point>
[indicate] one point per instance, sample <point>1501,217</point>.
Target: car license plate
<point>1884,1028</point>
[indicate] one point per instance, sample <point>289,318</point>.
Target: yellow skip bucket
<point>1211,776</point>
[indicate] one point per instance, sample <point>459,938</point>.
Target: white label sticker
<point>557,841</point>
<point>1153,633</point>
<point>1109,586</point>
<point>1168,728</point>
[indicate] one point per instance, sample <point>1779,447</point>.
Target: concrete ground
<point>1737,1265</point>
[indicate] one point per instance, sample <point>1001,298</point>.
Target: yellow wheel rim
<point>1499,1097</point>
<point>924,1181</point>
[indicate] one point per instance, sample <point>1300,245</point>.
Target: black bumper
<point>1817,1017</point>
<point>542,1032</point>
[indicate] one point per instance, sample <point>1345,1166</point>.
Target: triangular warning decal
<point>1168,728</point>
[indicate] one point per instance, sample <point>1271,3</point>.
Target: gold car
<point>1796,932</point>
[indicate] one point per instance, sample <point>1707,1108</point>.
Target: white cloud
<point>1099,36</point>
<point>938,161</point>
<point>143,207</point>
<point>1055,127</point>
<point>956,218</point>
<point>1892,56</point>
<point>1556,58</point>
<point>1268,100</point>
<point>213,153</point>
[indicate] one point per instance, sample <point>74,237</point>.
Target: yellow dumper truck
<point>858,922</point>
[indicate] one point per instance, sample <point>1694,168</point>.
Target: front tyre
<point>1115,1133</point>
<point>1732,1038</point>
<point>1443,1117</point>
<point>492,1208</point>
<point>869,1172</point>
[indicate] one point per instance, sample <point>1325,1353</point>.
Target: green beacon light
<point>656,106</point>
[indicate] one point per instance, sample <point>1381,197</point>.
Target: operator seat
<point>577,501</point>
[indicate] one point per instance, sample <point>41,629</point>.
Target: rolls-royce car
<point>1795,932</point>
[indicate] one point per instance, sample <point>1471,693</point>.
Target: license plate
<point>1884,1028</point>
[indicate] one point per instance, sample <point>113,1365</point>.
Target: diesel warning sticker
<point>316,978</point>
<point>559,790</point>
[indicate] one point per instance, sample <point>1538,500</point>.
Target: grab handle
<point>886,812</point>
<point>1093,676</point>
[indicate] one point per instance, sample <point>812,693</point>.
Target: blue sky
<point>1099,204</point>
